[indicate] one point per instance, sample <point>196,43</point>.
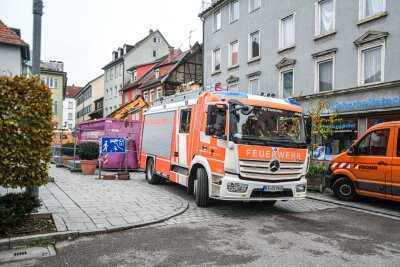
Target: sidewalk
<point>374,205</point>
<point>84,203</point>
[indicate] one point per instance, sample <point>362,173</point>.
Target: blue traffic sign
<point>113,145</point>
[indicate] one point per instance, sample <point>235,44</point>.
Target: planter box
<point>315,182</point>
<point>108,177</point>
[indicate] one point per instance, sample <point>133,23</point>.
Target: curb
<point>346,205</point>
<point>58,236</point>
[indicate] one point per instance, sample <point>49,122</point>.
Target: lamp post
<point>37,33</point>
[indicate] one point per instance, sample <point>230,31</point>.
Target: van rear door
<point>372,162</point>
<point>395,181</point>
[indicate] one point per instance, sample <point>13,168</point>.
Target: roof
<point>8,36</point>
<point>72,91</point>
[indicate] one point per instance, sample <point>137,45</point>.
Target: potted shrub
<point>89,155</point>
<point>67,152</point>
<point>315,175</point>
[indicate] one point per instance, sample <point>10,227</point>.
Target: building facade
<point>69,103</point>
<point>91,93</point>
<point>148,49</point>
<point>53,76</point>
<point>14,52</point>
<point>344,53</point>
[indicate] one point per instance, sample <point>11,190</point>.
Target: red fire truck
<point>227,146</point>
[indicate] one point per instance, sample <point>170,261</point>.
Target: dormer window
<point>157,73</point>
<point>133,76</point>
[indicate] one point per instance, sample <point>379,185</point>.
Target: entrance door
<point>372,163</point>
<point>395,181</point>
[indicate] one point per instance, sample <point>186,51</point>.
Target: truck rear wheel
<point>201,188</point>
<point>151,177</point>
<point>344,189</point>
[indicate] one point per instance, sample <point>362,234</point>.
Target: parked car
<point>370,167</point>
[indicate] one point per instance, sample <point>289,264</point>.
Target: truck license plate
<point>273,188</point>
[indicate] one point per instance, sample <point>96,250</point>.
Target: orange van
<point>370,167</point>
<point>62,136</point>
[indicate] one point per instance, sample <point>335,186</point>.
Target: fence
<point>66,143</point>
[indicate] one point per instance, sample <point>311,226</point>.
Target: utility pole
<point>37,33</point>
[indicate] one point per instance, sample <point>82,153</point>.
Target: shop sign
<point>342,126</point>
<point>368,104</point>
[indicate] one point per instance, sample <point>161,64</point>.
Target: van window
<point>374,144</point>
<point>220,123</point>
<point>398,144</point>
<point>185,121</point>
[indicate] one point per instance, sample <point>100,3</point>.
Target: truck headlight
<point>237,187</point>
<point>301,187</point>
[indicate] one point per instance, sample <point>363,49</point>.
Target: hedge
<point>26,131</point>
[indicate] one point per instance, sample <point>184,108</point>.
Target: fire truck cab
<point>227,146</point>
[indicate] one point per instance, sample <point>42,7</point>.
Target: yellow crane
<point>136,105</point>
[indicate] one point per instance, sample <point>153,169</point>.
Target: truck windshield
<point>267,126</point>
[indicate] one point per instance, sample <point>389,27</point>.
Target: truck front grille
<point>259,170</point>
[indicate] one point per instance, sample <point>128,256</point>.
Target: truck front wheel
<point>201,188</point>
<point>344,189</point>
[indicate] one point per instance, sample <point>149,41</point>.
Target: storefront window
<point>344,134</point>
<point>376,120</point>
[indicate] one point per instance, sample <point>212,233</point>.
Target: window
<point>69,125</point>
<point>157,40</point>
<point>374,144</point>
<point>159,92</point>
<point>286,32</point>
<point>69,115</point>
<point>154,53</point>
<point>111,74</point>
<point>398,144</point>
<point>254,45</point>
<point>287,83</point>
<point>326,16</point>
<point>70,105</point>
<point>116,71</point>
<point>255,86</point>
<point>157,73</point>
<point>372,65</point>
<point>185,121</point>
<point>216,60</point>
<point>121,70</point>
<point>217,20</point>
<point>145,96</point>
<point>55,107</point>
<point>233,87</point>
<point>254,4</point>
<point>234,53</point>
<point>115,91</point>
<point>325,75</point>
<point>234,11</point>
<point>106,111</point>
<point>152,96</point>
<point>371,7</point>
<point>55,82</point>
<point>126,97</point>
<point>106,93</point>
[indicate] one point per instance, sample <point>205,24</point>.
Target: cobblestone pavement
<point>83,203</point>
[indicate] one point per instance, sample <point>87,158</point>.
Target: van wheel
<point>343,189</point>
<point>151,177</point>
<point>201,188</point>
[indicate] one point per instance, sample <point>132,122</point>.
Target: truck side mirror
<point>351,151</point>
<point>211,116</point>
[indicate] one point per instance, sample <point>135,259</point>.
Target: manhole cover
<point>26,253</point>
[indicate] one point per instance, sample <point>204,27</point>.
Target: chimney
<point>171,52</point>
<point>151,31</point>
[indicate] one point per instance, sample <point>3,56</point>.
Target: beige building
<point>88,99</point>
<point>52,74</point>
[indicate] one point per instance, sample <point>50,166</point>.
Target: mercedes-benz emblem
<point>274,165</point>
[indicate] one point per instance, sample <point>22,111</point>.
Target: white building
<point>69,104</point>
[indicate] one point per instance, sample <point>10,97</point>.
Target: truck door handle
<point>176,154</point>
<point>204,147</point>
<point>382,163</point>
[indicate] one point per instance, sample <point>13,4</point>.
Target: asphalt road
<point>290,234</point>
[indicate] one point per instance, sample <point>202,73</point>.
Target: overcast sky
<point>83,33</point>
